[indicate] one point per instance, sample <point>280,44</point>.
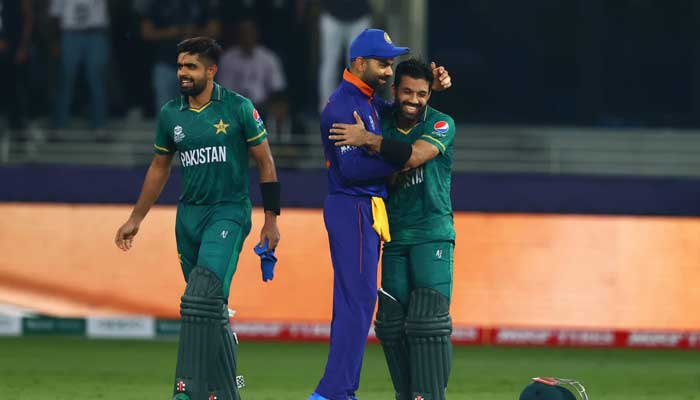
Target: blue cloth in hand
<point>267,260</point>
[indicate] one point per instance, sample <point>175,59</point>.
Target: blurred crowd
<point>84,62</point>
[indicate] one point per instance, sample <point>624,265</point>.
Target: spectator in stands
<point>83,26</point>
<point>341,21</point>
<point>168,22</point>
<point>16,23</point>
<point>254,71</point>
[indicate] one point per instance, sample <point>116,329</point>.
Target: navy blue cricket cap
<point>375,43</point>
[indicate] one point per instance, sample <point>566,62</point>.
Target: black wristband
<point>395,152</point>
<point>270,192</point>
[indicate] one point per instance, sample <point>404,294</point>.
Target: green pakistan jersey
<point>213,144</point>
<point>419,205</point>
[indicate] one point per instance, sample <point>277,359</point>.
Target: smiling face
<point>411,95</point>
<point>193,74</point>
<point>375,72</point>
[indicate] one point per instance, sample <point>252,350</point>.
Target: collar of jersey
<point>215,96</point>
<point>358,83</point>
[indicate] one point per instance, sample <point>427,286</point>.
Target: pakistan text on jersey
<point>204,155</point>
<point>411,177</point>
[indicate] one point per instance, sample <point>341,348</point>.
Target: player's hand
<point>349,134</point>
<point>269,231</point>
<point>125,235</point>
<point>442,80</point>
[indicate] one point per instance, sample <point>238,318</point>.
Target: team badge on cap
<point>387,38</point>
<point>441,127</point>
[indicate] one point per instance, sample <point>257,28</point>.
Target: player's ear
<point>212,70</point>
<point>361,64</point>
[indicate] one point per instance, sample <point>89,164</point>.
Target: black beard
<point>373,82</point>
<point>195,90</point>
<point>398,110</point>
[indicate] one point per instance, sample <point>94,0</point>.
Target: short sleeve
<point>164,143</point>
<point>254,130</point>
<point>439,132</point>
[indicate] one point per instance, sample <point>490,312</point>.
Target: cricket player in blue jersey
<point>354,211</point>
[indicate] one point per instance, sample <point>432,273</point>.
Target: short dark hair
<point>416,69</point>
<point>204,47</point>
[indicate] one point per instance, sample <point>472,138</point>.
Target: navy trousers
<point>355,254</point>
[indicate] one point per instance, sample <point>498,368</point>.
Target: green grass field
<point>75,368</point>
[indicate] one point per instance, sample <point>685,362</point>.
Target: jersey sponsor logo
<point>257,117</point>
<point>440,128</point>
<point>177,134</point>
<point>204,155</point>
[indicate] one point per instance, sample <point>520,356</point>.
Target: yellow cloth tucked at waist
<point>381,220</point>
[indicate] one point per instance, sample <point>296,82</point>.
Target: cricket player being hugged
<point>214,130</point>
<point>354,210</point>
<point>413,321</point>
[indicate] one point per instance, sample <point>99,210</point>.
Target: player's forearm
<point>421,153</point>
<point>153,185</point>
<point>268,172</point>
<point>270,217</point>
<point>373,142</point>
<point>269,186</point>
<point>416,160</point>
<point>396,152</point>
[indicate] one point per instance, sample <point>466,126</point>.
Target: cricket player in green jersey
<point>213,130</point>
<point>413,321</point>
